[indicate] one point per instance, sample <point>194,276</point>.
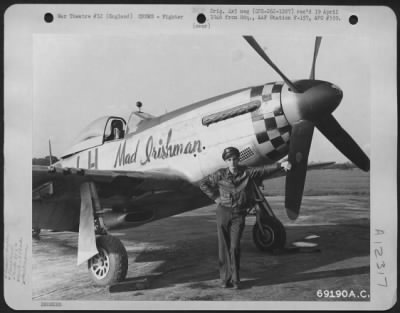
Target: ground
<point>176,258</point>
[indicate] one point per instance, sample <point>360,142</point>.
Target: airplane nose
<point>319,100</point>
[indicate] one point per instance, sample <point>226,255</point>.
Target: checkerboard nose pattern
<point>271,127</point>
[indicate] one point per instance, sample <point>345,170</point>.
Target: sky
<point>78,78</point>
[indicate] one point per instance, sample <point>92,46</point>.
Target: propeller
<point>299,148</point>
<point>332,130</point>
<point>316,49</point>
<point>252,42</point>
<point>310,104</point>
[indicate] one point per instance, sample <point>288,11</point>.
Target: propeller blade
<point>316,49</point>
<point>332,130</point>
<point>253,43</point>
<point>299,148</point>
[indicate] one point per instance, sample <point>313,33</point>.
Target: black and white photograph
<point>208,156</point>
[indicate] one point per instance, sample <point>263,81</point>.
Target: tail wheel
<point>273,236</point>
<point>110,265</point>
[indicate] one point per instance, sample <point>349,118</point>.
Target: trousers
<point>229,229</point>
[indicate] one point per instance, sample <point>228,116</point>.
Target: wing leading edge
<point>150,180</point>
<point>56,191</point>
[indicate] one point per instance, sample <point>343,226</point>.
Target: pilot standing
<point>230,188</point>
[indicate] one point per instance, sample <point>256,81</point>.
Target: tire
<point>110,265</point>
<point>274,238</point>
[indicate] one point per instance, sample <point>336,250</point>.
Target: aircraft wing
<point>56,193</point>
<point>57,199</point>
<point>114,180</point>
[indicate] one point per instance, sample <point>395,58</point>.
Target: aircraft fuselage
<point>191,143</point>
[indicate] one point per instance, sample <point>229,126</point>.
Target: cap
<point>229,152</point>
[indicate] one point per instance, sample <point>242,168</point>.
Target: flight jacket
<point>235,191</point>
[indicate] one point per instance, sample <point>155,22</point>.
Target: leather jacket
<point>235,191</point>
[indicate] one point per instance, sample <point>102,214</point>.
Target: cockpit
<point>108,129</point>
<point>115,129</point>
<point>103,129</point>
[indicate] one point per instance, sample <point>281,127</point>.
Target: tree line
<point>44,161</point>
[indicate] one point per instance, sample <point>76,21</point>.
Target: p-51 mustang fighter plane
<point>123,174</point>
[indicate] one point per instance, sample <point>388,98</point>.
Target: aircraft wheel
<point>274,236</point>
<point>110,265</point>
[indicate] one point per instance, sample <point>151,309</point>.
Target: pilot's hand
<point>286,165</point>
<point>218,200</point>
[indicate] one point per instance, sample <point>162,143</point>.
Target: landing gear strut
<point>268,232</point>
<point>110,264</point>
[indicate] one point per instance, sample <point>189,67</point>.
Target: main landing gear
<point>270,235</point>
<point>268,232</point>
<point>110,264</point>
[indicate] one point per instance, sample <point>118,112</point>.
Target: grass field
<point>325,182</point>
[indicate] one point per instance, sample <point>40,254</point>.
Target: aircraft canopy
<point>94,129</point>
<point>96,133</point>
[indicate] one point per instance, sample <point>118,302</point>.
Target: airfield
<point>176,258</point>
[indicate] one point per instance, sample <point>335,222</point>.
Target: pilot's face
<point>232,163</point>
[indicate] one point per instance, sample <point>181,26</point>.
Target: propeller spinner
<point>308,104</point>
